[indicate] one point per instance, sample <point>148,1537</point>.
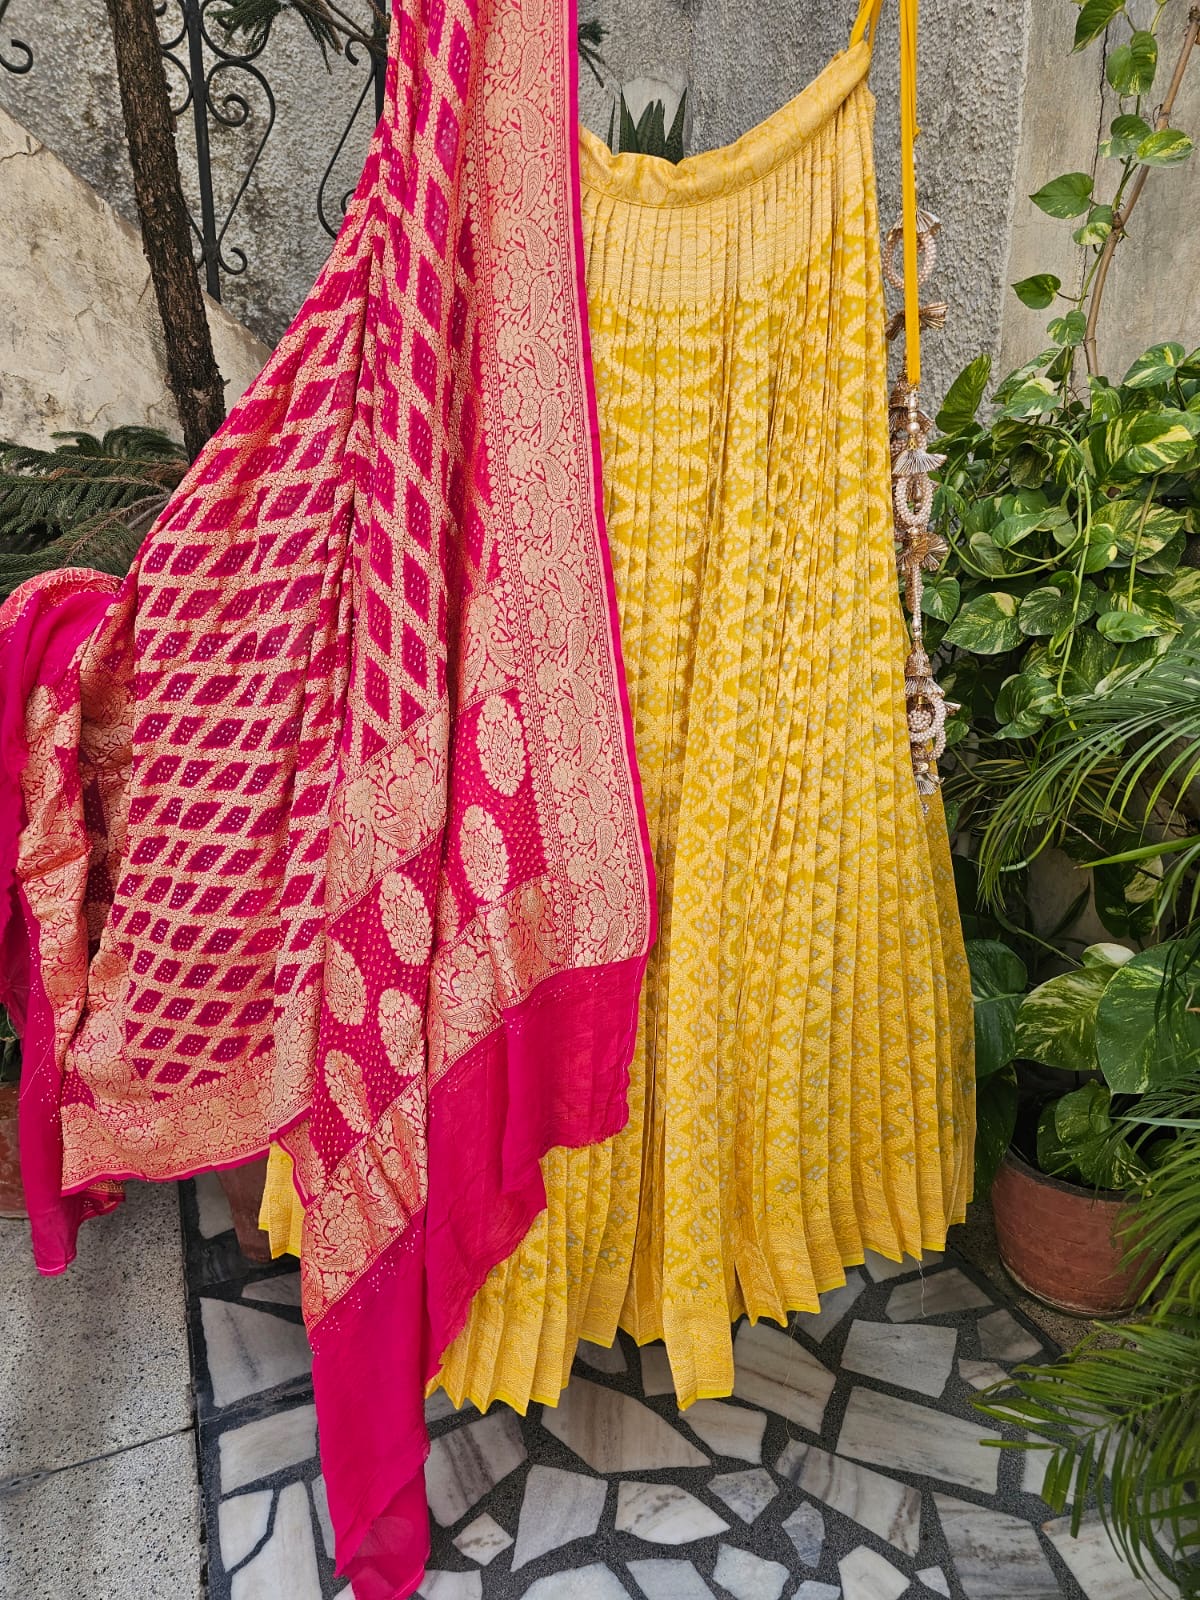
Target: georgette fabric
<point>802,1087</point>
<point>329,821</point>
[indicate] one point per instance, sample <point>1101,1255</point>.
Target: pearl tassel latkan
<point>918,548</point>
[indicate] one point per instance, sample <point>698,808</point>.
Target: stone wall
<point>1002,103</point>
<point>81,342</point>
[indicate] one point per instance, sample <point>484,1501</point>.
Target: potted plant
<point>1120,1419</point>
<point>1064,1069</point>
<point>12,1197</point>
<point>1067,624</point>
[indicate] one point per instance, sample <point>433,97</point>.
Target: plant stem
<point>1121,217</point>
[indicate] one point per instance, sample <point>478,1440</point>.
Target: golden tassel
<point>918,548</point>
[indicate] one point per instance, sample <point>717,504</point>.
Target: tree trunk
<point>192,373</point>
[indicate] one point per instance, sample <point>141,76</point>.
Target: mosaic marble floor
<point>847,1466</point>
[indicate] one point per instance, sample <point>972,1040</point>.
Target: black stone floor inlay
<point>848,1463</point>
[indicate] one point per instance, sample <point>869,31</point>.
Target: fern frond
<point>89,502</point>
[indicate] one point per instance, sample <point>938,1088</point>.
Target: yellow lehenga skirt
<point>802,1089</point>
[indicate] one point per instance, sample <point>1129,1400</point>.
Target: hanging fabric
<point>325,824</point>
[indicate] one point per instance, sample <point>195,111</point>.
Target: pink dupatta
<point>331,822</point>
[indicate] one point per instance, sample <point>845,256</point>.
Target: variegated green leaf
<point>1056,1024</point>
<point>1068,196</point>
<point>1094,16</point>
<point>1046,611</point>
<point>1159,364</point>
<point>1130,68</point>
<point>986,625</point>
<point>1125,134</point>
<point>965,396</point>
<point>940,596</point>
<point>1147,1030</point>
<point>1038,291</point>
<point>998,984</point>
<point>1165,147</point>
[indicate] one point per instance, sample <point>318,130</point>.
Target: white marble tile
<point>881,1270</point>
<point>1095,1565</point>
<point>811,1590</point>
<point>835,1303</point>
<point>451,1586</point>
<point>483,1540</point>
<point>910,1355</point>
<point>866,1575</point>
<point>981,1374</point>
<point>997,1557</point>
<point>612,1432</point>
<point>773,1370</point>
<point>267,1445</point>
<point>321,1506</point>
<point>241,1523</point>
<point>656,1370</point>
<point>1002,1338</point>
<point>669,1580</point>
<point>747,1494</point>
<point>934,1295</point>
<point>1033,1470</point>
<point>287,1563</point>
<point>727,1430</point>
<point>600,1359</point>
<point>579,1583</point>
<point>283,1290</point>
<point>806,1529</point>
<point>747,1576</point>
<point>557,1507</point>
<point>662,1513</point>
<point>215,1215</point>
<point>438,1406</point>
<point>934,1578</point>
<point>249,1351</point>
<point>467,1462</point>
<point>889,1432</point>
<point>889,1509</point>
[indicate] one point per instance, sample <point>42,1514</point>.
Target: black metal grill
<point>221,88</point>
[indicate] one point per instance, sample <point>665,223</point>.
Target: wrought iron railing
<point>219,87</point>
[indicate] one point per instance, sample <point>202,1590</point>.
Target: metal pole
<point>211,254</point>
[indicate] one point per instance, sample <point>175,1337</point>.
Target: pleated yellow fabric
<point>803,1083</point>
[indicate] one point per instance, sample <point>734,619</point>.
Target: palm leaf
<point>1123,1424</point>
<point>1108,763</point>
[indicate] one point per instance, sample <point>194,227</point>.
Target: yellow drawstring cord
<point>865,26</point>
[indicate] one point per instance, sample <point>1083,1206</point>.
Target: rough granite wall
<point>741,58</point>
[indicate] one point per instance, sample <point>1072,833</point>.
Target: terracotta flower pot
<point>1064,1244</point>
<point>12,1196</point>
<point>243,1188</point>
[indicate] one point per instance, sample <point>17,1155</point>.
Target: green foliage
<point>87,503</point>
<point>1122,1424</point>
